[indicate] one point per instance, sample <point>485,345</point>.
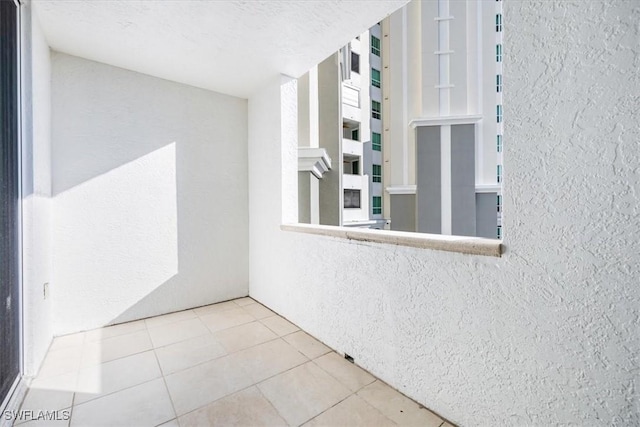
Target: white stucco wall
<point>547,334</point>
<point>36,191</point>
<point>150,195</point>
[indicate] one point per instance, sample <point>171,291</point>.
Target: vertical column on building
<point>329,131</point>
<point>398,143</point>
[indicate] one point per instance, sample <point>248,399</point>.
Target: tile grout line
<point>166,387</point>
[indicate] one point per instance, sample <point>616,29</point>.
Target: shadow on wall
<point>150,195</point>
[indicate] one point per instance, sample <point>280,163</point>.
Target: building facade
<point>442,116</point>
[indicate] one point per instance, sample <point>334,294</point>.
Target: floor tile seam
<point>271,403</point>
<point>420,405</point>
<point>166,388</point>
<point>254,384</point>
<point>338,379</point>
<point>335,404</point>
<point>93,365</point>
<point>215,312</point>
<point>116,391</point>
<point>230,327</point>
<point>224,355</point>
<point>267,326</point>
<point>182,340</point>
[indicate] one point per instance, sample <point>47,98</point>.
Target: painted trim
<point>443,52</point>
<point>444,18</point>
<point>460,244</point>
<point>314,160</point>
<point>445,120</point>
<point>402,189</point>
<point>488,188</point>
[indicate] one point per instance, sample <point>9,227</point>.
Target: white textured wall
<point>547,334</point>
<point>36,191</point>
<point>150,195</point>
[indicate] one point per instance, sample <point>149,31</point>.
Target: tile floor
<point>234,363</point>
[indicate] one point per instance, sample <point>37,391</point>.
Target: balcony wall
<point>150,195</point>
<point>544,335</point>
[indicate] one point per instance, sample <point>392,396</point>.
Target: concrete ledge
<point>460,244</point>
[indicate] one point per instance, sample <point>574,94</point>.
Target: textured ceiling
<point>231,47</point>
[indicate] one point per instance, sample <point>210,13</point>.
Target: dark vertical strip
<point>9,286</point>
<point>429,180</point>
<point>463,180</point>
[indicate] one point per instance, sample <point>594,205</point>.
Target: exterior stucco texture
<point>548,334</point>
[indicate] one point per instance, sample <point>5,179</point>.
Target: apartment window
<point>499,143</point>
<point>499,22</point>
<point>375,110</point>
<point>351,199</point>
<point>499,113</point>
<point>499,203</point>
<point>355,62</point>
<point>499,232</point>
<point>498,53</point>
<point>499,173</point>
<point>376,141</point>
<point>375,45</point>
<point>377,205</point>
<point>377,173</point>
<point>499,83</point>
<point>375,77</point>
<point>355,134</point>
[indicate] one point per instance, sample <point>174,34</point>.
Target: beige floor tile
<point>347,373</point>
<point>169,318</point>
<point>195,387</point>
<point>398,407</point>
<point>244,301</point>
<point>226,319</point>
<point>46,400</point>
<point>176,332</point>
<point>100,380</point>
<point>279,325</point>
<point>306,344</point>
<point>64,382</point>
<point>188,353</point>
<point>97,352</point>
<point>352,411</point>
<point>67,341</point>
<point>215,308</point>
<point>146,404</point>
<point>258,311</point>
<point>114,331</point>
<point>61,362</point>
<point>244,336</point>
<point>303,392</point>
<point>245,408</point>
<point>266,360</point>
<point>172,423</point>
<point>447,424</point>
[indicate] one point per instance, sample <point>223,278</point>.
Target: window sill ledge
<point>460,244</point>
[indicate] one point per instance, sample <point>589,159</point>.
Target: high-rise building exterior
<point>442,116</point>
<point>340,137</point>
<point>409,115</point>
<point>361,87</point>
